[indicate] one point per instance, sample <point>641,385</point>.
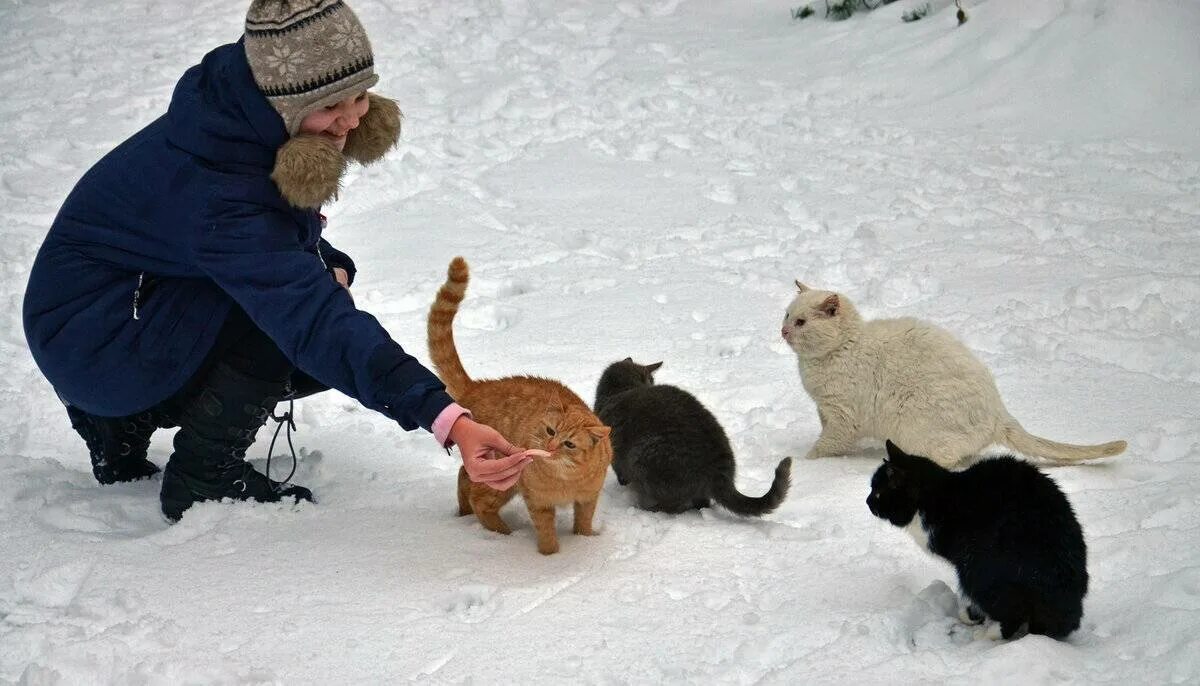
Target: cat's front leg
<point>968,612</point>
<point>622,477</point>
<point>828,447</point>
<point>583,518</point>
<point>838,435</point>
<point>543,522</point>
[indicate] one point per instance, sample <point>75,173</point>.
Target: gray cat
<point>670,449</point>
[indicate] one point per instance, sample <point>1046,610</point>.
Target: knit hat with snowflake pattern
<point>305,55</point>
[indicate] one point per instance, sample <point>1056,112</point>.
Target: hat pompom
<point>308,171</point>
<point>378,131</point>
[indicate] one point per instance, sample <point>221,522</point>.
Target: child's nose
<point>348,117</point>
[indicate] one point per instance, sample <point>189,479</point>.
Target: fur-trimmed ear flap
<point>801,287</point>
<point>308,171</point>
<point>377,132</point>
<point>831,305</point>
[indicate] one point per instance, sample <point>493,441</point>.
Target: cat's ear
<point>653,367</point>
<point>598,433</point>
<point>894,453</point>
<point>831,305</point>
<point>893,465</point>
<point>801,287</point>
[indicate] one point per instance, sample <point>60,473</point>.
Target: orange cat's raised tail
<point>442,350</point>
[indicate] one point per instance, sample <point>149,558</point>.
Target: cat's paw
<point>991,631</point>
<point>969,614</point>
<point>499,527</point>
<point>962,634</point>
<point>584,531</point>
<point>548,548</point>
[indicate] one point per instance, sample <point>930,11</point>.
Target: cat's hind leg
<point>1010,607</point>
<point>1056,620</point>
<point>486,504</point>
<point>1010,627</point>
<point>464,493</point>
<point>948,449</point>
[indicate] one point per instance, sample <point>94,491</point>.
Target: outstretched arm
<point>255,256</point>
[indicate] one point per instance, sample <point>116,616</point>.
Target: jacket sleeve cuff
<point>445,420</point>
<point>434,404</point>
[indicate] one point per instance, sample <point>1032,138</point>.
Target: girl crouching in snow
<point>185,281</point>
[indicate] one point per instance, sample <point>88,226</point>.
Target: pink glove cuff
<point>445,420</point>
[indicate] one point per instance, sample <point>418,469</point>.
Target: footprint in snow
<point>471,604</point>
<point>490,318</point>
<point>722,192</point>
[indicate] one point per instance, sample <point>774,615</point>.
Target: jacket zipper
<point>137,294</point>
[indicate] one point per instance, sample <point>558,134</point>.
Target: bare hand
<point>479,445</point>
<point>343,278</point>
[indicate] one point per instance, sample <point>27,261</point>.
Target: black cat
<point>1005,526</point>
<point>671,450</point>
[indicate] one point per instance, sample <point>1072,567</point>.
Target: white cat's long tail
<point>1017,438</point>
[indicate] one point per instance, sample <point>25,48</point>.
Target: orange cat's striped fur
<point>530,412</point>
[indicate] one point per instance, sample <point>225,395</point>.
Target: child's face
<point>335,121</point>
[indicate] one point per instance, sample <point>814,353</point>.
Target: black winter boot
<point>117,445</point>
<point>216,426</point>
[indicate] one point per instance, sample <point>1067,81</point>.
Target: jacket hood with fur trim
<point>219,116</point>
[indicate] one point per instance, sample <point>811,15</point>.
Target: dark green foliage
<point>839,10</point>
<point>802,12</point>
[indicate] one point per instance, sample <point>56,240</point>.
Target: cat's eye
<point>569,445</point>
<point>799,322</point>
<point>549,431</point>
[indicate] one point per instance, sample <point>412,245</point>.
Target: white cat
<point>904,380</point>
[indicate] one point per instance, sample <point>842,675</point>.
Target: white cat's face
<point>811,323</point>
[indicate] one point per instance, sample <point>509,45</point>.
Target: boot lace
<point>286,419</point>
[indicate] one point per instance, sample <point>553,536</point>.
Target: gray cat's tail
<point>725,493</point>
<point>1017,438</point>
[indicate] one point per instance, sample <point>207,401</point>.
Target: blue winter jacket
<point>164,234</point>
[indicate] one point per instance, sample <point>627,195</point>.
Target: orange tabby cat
<point>531,412</point>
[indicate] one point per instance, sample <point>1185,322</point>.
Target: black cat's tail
<point>725,493</point>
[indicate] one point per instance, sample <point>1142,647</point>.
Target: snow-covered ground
<point>647,179</point>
